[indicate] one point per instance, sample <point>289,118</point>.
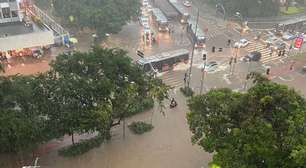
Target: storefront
<point>31,44</point>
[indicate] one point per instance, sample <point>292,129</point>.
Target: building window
<point>6,12</point>
<point>14,14</point>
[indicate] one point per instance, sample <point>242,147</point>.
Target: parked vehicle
<point>288,36</point>
<point>279,45</point>
<point>271,39</point>
<point>187,3</point>
<point>253,56</point>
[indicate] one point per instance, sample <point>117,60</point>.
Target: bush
<point>81,147</point>
<point>140,127</point>
<point>143,105</point>
<point>187,91</point>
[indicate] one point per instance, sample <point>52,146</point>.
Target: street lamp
<point>238,14</point>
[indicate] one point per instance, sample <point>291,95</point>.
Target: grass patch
<point>187,91</point>
<point>140,127</point>
<point>81,147</point>
<point>292,10</point>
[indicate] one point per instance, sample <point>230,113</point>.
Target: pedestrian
<point>271,54</point>
<point>291,66</point>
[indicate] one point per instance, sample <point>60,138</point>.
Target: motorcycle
<point>173,103</point>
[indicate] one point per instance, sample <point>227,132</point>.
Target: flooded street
<point>167,145</point>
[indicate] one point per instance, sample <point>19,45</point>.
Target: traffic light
<point>268,71</point>
<point>140,54</point>
<point>204,57</point>
<point>213,49</point>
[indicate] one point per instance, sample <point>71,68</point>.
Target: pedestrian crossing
<point>172,79</point>
<point>213,33</point>
<point>267,55</point>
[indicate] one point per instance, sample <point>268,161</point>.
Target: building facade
<point>10,11</point>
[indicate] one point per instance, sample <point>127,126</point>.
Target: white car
<point>211,66</point>
<point>187,3</point>
<point>288,36</point>
<point>242,43</point>
<point>145,3</point>
<point>149,8</point>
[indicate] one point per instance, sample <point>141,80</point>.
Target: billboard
<point>298,42</point>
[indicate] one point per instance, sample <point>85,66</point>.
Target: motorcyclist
<point>173,103</point>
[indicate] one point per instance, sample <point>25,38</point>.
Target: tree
<point>264,127</point>
<point>105,16</point>
<point>2,67</point>
<point>21,125</point>
<point>79,83</point>
<point>250,8</point>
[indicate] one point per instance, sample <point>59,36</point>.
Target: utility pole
<point>203,73</point>
<point>192,53</point>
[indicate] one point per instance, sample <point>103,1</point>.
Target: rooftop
<point>17,28</point>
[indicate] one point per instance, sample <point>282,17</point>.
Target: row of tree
<point>250,8</point>
<point>105,16</point>
<point>262,128</point>
<point>82,93</point>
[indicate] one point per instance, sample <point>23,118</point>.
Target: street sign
<point>298,42</point>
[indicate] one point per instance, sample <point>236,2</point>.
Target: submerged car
<point>252,56</point>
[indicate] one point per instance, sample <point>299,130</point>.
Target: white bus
<point>197,36</point>
<point>164,61</point>
<point>183,14</point>
<point>160,19</point>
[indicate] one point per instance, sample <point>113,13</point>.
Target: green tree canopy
<point>82,93</point>
<point>250,8</point>
<point>264,127</point>
<point>105,16</point>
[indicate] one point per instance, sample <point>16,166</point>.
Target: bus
<point>160,19</point>
<point>164,61</point>
<point>198,38</point>
<point>183,14</point>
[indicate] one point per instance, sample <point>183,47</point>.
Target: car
<point>149,8</point>
<point>304,69</point>
<point>279,45</point>
<point>210,66</point>
<point>271,40</point>
<point>288,36</point>
<point>253,56</point>
<point>242,43</point>
<point>187,3</point>
<point>145,3</point>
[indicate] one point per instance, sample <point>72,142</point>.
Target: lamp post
<point>192,53</point>
<point>203,73</point>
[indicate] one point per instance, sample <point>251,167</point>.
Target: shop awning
<point>26,40</point>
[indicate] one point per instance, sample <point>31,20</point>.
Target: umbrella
<point>73,40</point>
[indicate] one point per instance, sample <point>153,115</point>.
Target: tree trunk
<point>124,128</point>
<point>72,138</point>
